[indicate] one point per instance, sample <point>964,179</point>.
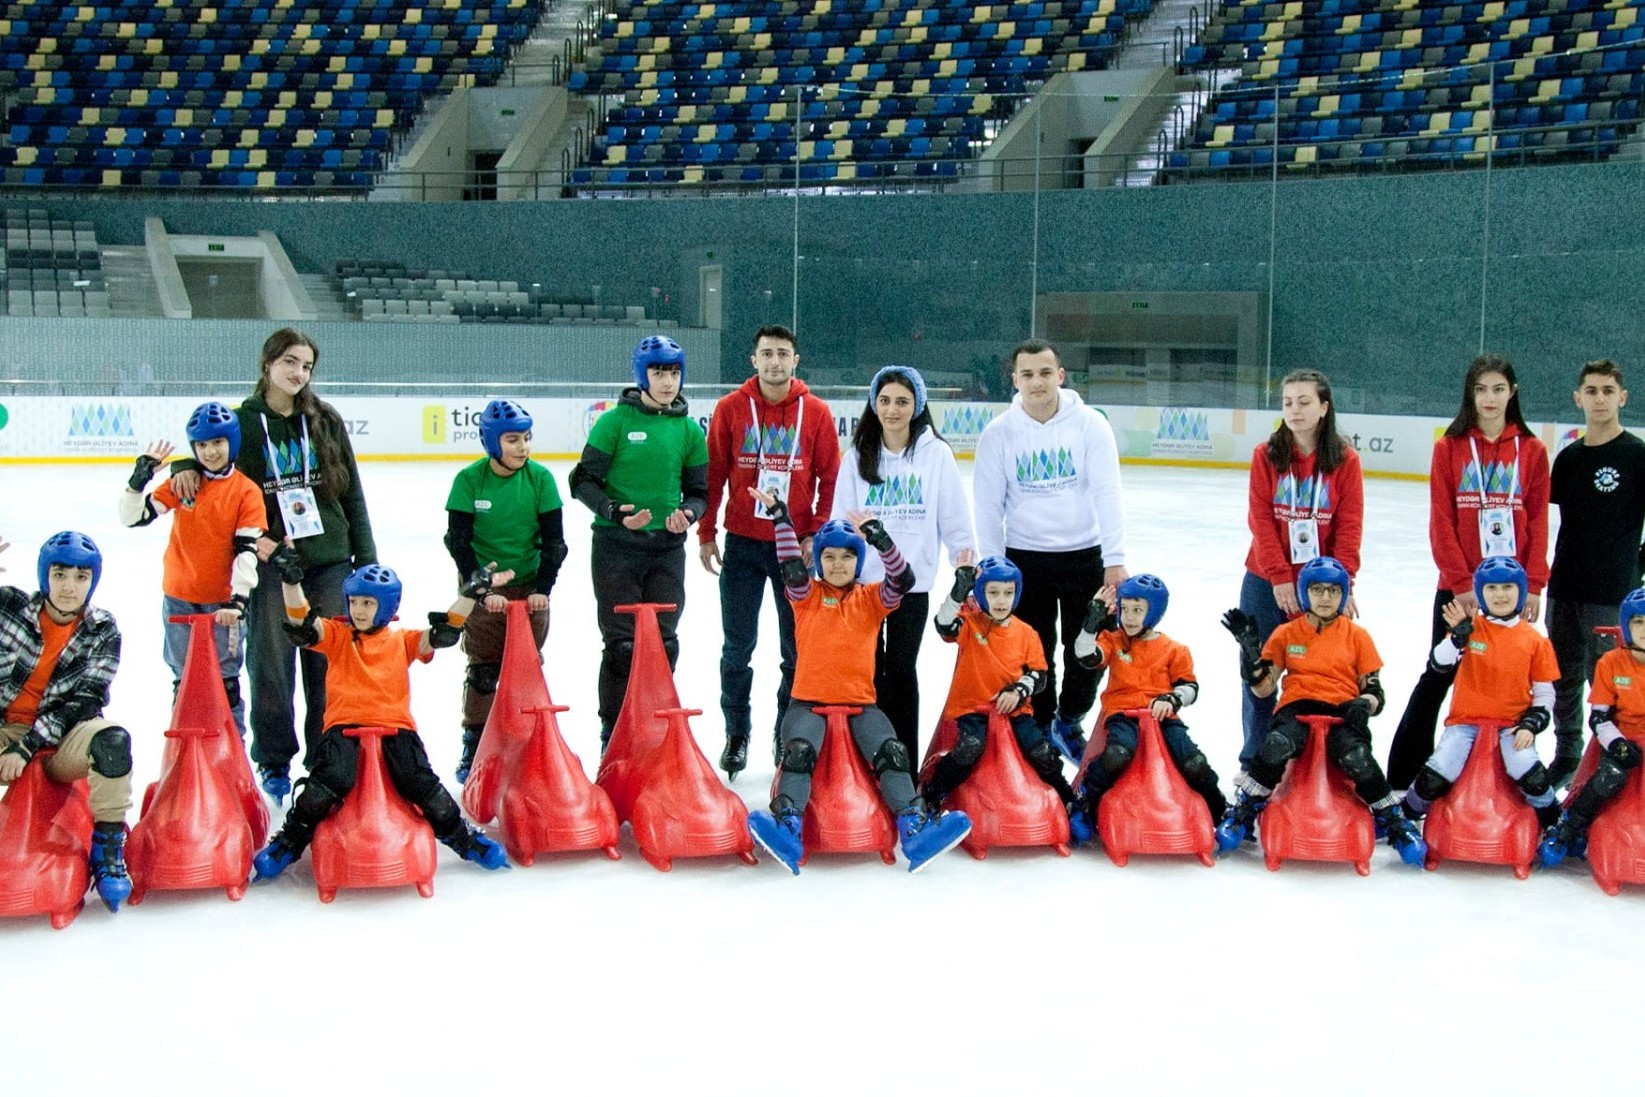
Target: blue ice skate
<point>1239,821</point>
<point>274,859</point>
<point>1068,737</point>
<point>108,864</point>
<point>925,837</point>
<point>1402,834</point>
<point>1081,823</point>
<point>779,836</point>
<point>473,845</point>
<point>1564,839</point>
<point>276,783</point>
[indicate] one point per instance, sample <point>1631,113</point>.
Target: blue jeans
<point>1256,599</point>
<point>273,662</point>
<point>230,650</point>
<point>747,567</point>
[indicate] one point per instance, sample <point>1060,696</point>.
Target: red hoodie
<point>747,431</point>
<point>1454,501</point>
<point>1341,512</point>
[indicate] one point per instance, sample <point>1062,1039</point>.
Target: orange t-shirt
<point>54,638</point>
<point>200,555</point>
<point>835,633</point>
<point>992,656</point>
<point>367,679</point>
<point>1497,668</point>
<point>1321,664</point>
<point>1140,670</point>
<point>1619,683</point>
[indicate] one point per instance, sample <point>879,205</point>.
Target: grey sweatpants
<point>869,729</point>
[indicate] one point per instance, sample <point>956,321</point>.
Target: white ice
<point>1021,973</point>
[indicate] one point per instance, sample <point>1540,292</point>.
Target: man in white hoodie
<point>1047,492</point>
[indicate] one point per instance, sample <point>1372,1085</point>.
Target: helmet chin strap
<point>59,612</point>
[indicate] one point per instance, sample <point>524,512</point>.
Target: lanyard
<point>1313,498</point>
<point>793,460</point>
<point>1513,479</point>
<point>274,459</point>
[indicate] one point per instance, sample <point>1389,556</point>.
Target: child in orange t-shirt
<point>836,627</point>
<point>368,685</point>
<point>211,558</point>
<point>1616,712</point>
<point>1329,667</point>
<point>1001,665</point>
<point>1146,669</point>
<point>1505,670</point>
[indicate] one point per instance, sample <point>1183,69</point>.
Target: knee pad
<point>443,815</point>
<point>1430,784</point>
<point>313,801</point>
<point>111,752</point>
<point>1045,759</point>
<point>1196,770</point>
<point>1609,778</point>
<point>1279,746</point>
<point>1352,755</point>
<point>621,653</point>
<point>482,677</point>
<point>1535,781</point>
<point>1115,757</point>
<point>799,756</point>
<point>892,757</point>
<point>967,749</point>
<point>231,686</point>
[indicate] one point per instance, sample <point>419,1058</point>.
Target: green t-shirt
<point>505,510</point>
<point>648,453</point>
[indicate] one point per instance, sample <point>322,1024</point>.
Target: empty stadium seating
<point>51,267</point>
<point>1410,83</point>
<point>387,291</point>
<point>733,90</point>
<point>236,93</point>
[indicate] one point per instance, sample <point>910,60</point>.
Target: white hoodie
<point>1049,487</point>
<point>921,500</point>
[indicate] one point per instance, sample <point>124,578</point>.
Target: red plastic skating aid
<point>1616,840</point>
<point>1483,818</point>
<point>376,839</point>
<point>202,703</point>
<point>845,813</point>
<point>682,809</point>
<point>521,689</point>
<point>640,729</point>
<point>45,839</point>
<point>546,804</point>
<point>1314,814</point>
<point>1007,802</point>
<point>1151,809</point>
<point>194,833</point>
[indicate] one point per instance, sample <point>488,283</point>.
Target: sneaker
<point>274,858</point>
<point>276,783</point>
<point>1564,839</point>
<point>1239,823</point>
<point>734,758</point>
<point>926,837</point>
<point>1068,737</point>
<point>108,864</point>
<point>474,845</point>
<point>778,835</point>
<point>1402,834</point>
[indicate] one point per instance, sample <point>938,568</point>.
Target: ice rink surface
<point>1023,973</point>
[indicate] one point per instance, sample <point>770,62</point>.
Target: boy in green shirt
<point>503,510</point>
<point>644,474</point>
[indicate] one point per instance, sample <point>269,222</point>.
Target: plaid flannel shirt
<point>78,688</point>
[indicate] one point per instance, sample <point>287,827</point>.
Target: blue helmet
<point>1322,569</point>
<point>375,581</point>
<point>1632,606</point>
<point>70,550</point>
<point>657,350</point>
<point>838,534</point>
<point>214,420</point>
<point>1499,569</point>
<point>996,569</point>
<point>1151,589</point>
<point>499,418</point>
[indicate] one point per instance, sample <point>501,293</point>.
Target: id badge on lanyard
<point>1305,531</point>
<point>775,481</point>
<point>1496,524</point>
<point>298,507</point>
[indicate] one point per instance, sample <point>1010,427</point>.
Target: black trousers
<point>1413,740</point>
<point>630,567</point>
<point>1056,589</point>
<point>335,769</point>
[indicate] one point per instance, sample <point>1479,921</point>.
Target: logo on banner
<point>593,412</point>
<point>444,425</point>
<point>99,428</point>
<point>5,417</point>
<point>1182,432</point>
<point>966,420</point>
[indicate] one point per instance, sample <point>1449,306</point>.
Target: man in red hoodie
<point>771,434</point>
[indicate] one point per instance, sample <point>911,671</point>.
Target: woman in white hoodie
<point>900,468</point>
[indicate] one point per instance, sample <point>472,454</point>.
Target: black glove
<point>1461,631</point>
<point>441,632</point>
<point>1098,618</point>
<point>239,602</point>
<point>1356,715</point>
<point>26,747</point>
<point>479,584</point>
<point>965,578</point>
<point>302,633</point>
<point>143,473</point>
<point>1625,751</point>
<point>1534,720</point>
<point>778,512</point>
<point>873,531</point>
<point>290,565</point>
<point>1252,667</point>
